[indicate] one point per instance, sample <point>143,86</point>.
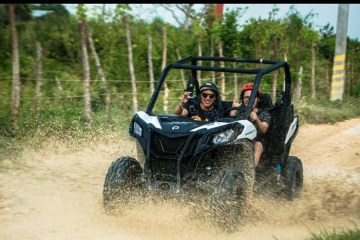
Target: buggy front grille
<point>166,145</point>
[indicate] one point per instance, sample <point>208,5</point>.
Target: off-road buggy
<point>210,163</point>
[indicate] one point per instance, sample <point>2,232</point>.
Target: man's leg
<point>258,149</point>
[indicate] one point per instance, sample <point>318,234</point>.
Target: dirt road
<point>56,193</point>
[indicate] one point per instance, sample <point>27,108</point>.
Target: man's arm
<point>262,124</point>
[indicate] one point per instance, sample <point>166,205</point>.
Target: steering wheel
<point>241,114</point>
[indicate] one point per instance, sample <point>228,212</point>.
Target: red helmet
<point>249,86</point>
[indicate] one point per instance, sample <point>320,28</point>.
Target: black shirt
<point>194,109</point>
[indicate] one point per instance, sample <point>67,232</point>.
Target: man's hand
<point>253,116</point>
<point>235,104</point>
<point>185,99</point>
<point>196,118</point>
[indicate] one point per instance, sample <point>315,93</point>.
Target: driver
<point>259,116</point>
<point>203,108</point>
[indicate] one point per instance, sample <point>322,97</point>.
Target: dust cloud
<point>56,193</point>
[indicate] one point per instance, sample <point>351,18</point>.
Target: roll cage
<point>191,63</point>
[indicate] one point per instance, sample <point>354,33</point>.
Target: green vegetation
<point>351,234</point>
<point>321,111</point>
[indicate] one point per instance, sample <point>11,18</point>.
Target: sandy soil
<point>56,193</point>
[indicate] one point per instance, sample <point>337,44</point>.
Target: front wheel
<point>293,178</point>
<point>122,184</point>
<point>229,201</point>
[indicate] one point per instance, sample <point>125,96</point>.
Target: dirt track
<point>56,194</point>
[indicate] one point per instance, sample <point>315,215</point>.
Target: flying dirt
<point>55,192</point>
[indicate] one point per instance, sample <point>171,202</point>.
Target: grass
<point>351,234</point>
<point>319,111</point>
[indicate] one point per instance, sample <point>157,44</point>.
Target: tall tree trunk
<point>212,52</point>
<point>351,74</point>
<point>313,65</point>
<point>297,92</point>
<point>181,70</point>
<point>150,62</point>
<point>131,66</point>
<point>276,73</point>
<point>199,54</point>
<point>298,87</point>
<point>103,12</point>
<point>38,81</point>
<point>222,74</point>
<point>104,83</point>
<point>327,79</point>
<point>59,87</point>
<point>86,73</point>
<point>286,54</point>
<point>15,103</point>
<point>163,65</point>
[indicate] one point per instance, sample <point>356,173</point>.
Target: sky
<point>326,13</point>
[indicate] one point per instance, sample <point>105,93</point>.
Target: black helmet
<point>210,86</point>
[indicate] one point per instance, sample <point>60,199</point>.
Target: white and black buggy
<point>210,164</point>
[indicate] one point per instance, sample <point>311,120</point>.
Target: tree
<point>213,20</point>
<point>199,33</point>
<point>131,65</point>
<point>327,42</point>
<point>313,67</point>
<point>150,62</point>
<point>122,10</point>
<point>163,65</point>
<point>293,29</point>
<point>105,89</point>
<point>38,81</point>
<point>230,32</point>
<point>85,60</point>
<point>275,35</point>
<point>298,31</point>
<point>15,104</point>
<point>186,9</point>
<point>230,39</point>
<point>353,72</point>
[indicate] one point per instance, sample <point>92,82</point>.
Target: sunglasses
<point>205,95</point>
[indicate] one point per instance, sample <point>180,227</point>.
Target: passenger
<point>259,116</point>
<point>203,108</point>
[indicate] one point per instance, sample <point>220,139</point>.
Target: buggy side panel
<point>282,118</point>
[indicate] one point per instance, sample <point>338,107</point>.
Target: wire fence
<point>56,94</point>
<point>143,83</point>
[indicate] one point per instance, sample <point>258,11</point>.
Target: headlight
<point>224,137</point>
<point>137,129</point>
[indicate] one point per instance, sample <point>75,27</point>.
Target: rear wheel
<point>122,184</point>
<point>293,178</point>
